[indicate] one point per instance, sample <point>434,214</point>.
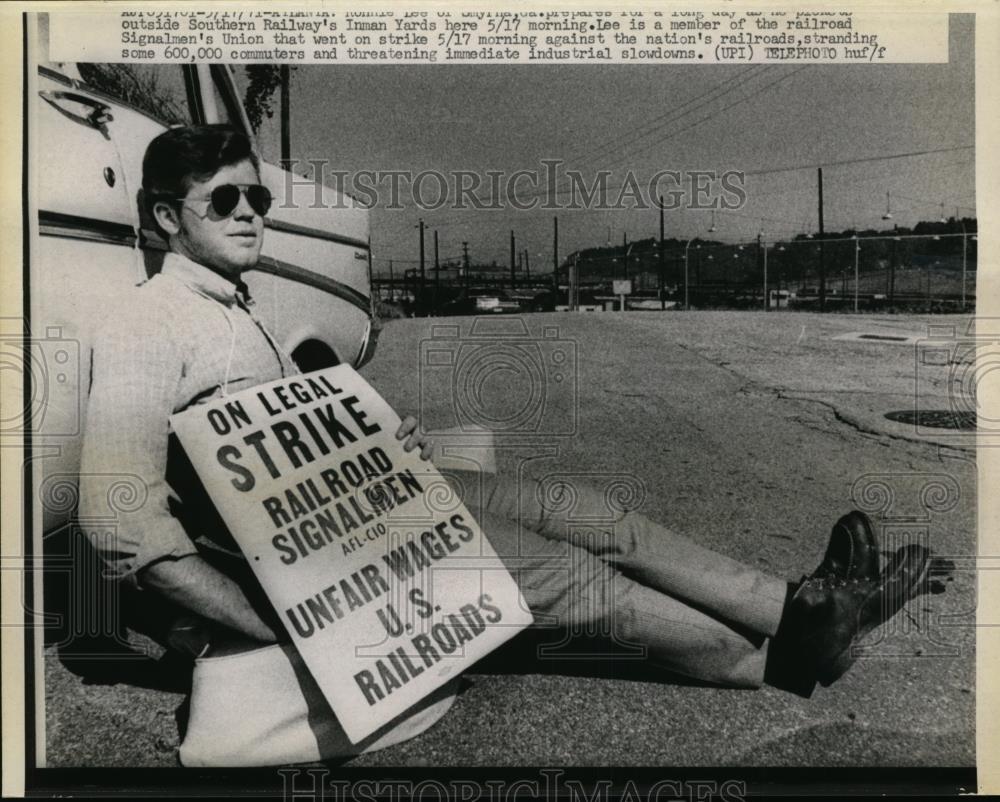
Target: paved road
<point>750,433</point>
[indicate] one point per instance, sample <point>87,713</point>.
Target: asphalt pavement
<point>750,433</point>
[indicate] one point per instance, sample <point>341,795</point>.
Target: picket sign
<point>381,576</point>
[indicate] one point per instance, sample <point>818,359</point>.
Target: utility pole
<point>574,279</point>
<point>822,265</point>
<point>465,264</point>
<point>422,271</point>
<point>513,276</point>
<point>555,259</point>
<point>527,265</point>
<point>663,301</point>
<point>437,271</point>
<point>392,283</point>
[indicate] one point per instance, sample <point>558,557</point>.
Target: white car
<point>88,129</point>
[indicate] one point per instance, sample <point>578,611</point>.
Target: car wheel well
<point>313,355</point>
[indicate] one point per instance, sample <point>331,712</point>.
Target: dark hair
<point>181,156</point>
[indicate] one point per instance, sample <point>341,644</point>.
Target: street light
<point>687,299</point>
<point>628,251</point>
<point>888,207</point>
<point>687,246</point>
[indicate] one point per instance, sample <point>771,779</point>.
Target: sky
<point>647,118</point>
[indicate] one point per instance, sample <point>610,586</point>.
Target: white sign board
<point>381,576</point>
<point>621,286</point>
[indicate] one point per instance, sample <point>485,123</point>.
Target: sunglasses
<point>226,197</point>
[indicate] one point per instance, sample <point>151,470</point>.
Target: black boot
<point>852,552</point>
<point>851,555</point>
<point>827,619</point>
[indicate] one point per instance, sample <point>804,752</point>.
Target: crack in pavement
<point>750,386</point>
<point>867,431</point>
<point>815,427</point>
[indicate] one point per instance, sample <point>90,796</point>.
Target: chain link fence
<point>905,272</point>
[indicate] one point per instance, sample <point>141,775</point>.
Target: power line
<point>717,112</point>
<point>767,171</point>
<point>674,113</point>
<point>813,166</point>
<point>694,124</point>
<point>688,127</point>
<point>870,180</point>
<point>862,160</point>
<point>504,214</point>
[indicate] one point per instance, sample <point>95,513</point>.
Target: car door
<point>89,127</point>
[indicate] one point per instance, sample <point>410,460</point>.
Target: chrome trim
<point>83,86</point>
<point>87,228</point>
<point>276,267</point>
<point>286,270</point>
<point>98,118</point>
<point>48,72</point>
<point>56,224</point>
<point>315,233</point>
<point>368,344</point>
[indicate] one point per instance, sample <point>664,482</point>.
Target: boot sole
<point>843,661</point>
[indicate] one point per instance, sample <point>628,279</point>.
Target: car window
<point>259,89</point>
<point>156,89</point>
<point>225,103</point>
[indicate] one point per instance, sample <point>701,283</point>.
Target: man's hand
<point>408,428</point>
